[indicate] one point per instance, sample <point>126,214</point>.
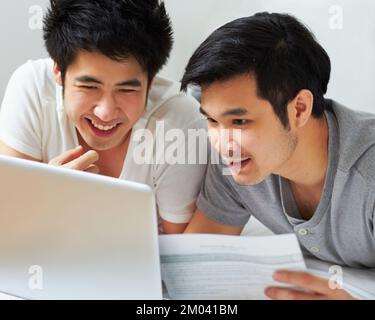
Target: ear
<point>57,73</point>
<point>300,109</point>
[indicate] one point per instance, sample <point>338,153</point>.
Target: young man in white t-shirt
<point>84,108</point>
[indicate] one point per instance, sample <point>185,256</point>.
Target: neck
<point>307,167</point>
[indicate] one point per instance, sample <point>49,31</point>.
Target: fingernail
<point>268,292</point>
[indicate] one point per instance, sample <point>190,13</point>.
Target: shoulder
<point>175,109</point>
<point>34,79</point>
<point>39,72</point>
<point>356,140</point>
<point>365,166</point>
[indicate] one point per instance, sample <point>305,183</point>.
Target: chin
<point>96,145</point>
<point>102,146</point>
<point>247,180</point>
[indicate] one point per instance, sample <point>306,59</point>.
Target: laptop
<point>66,234</point>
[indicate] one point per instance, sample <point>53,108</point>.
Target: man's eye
<point>211,120</point>
<point>127,90</point>
<point>87,87</point>
<point>240,122</point>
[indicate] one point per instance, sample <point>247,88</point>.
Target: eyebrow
<point>231,112</point>
<point>128,83</point>
<point>203,112</point>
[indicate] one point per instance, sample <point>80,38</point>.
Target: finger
<point>92,168</point>
<point>278,293</point>
<point>303,280</point>
<point>84,161</point>
<point>67,156</point>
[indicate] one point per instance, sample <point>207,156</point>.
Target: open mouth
<point>239,163</point>
<point>102,131</point>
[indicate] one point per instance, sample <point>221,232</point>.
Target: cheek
<point>133,106</point>
<point>274,151</point>
<point>74,110</point>
<point>76,104</point>
<point>260,146</point>
<point>213,135</point>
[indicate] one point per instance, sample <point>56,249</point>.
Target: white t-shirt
<point>33,122</point>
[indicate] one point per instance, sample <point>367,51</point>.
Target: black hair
<point>114,28</point>
<point>277,49</point>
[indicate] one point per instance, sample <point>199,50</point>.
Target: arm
<point>8,151</point>
<point>202,224</point>
<point>173,228</point>
<point>72,159</point>
<point>176,201</point>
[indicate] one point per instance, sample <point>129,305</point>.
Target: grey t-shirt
<point>341,230</point>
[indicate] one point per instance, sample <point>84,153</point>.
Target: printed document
<point>200,266</point>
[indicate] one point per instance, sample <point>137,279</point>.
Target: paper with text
<point>199,266</point>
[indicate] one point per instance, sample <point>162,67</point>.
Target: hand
<point>315,288</point>
<point>77,160</point>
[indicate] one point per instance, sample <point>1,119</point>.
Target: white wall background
<point>345,28</point>
<point>20,35</point>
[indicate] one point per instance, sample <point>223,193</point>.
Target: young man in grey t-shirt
<point>304,164</point>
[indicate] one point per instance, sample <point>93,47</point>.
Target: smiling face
<point>264,145</point>
<point>104,98</point>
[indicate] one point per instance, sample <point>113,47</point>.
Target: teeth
<point>103,128</point>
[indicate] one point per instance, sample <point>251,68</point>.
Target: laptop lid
<point>66,234</point>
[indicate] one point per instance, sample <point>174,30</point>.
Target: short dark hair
<point>277,49</point>
<point>115,28</point>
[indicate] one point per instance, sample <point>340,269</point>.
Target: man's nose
<point>227,142</point>
<point>106,109</point>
